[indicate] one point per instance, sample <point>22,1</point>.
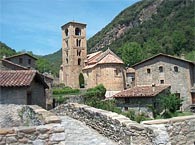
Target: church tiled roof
<point>19,78</point>
<point>141,91</point>
<point>100,57</point>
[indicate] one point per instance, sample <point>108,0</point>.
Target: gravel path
<point>77,133</point>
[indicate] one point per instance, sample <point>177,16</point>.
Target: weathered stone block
<point>57,137</point>
<point>4,131</point>
<point>11,139</point>
<point>39,142</point>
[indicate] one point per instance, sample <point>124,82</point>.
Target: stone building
<point>165,69</point>
<point>22,87</point>
<point>97,68</point>
<point>139,97</point>
<point>104,68</point>
<point>23,59</point>
<point>74,52</point>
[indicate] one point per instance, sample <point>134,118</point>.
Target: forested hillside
<point>150,27</point>
<point>6,50</point>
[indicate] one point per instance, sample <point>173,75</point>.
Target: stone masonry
<point>112,125</point>
<point>174,131</point>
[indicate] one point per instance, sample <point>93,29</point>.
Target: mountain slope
<point>6,50</point>
<point>165,26</point>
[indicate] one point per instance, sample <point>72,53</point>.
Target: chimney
<point>153,87</point>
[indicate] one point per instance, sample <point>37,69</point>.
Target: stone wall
<point>49,130</point>
<point>174,131</point>
<point>112,125</point>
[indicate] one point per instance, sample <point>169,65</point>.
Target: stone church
<point>97,68</point>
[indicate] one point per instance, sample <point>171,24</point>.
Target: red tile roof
<point>102,58</point>
<point>19,78</point>
<point>141,91</point>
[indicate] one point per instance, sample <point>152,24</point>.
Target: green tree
<point>170,105</point>
<point>81,80</point>
<point>131,53</point>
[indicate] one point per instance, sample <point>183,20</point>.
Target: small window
<point>78,52</point>
<point>79,61</point>
<point>29,61</point>
<point>78,42</point>
<point>67,60</point>
<point>20,60</point>
<point>117,72</point>
<point>160,69</point>
<point>162,81</point>
<point>126,108</point>
<point>175,68</point>
<point>66,32</point>
<point>77,31</point>
<point>148,71</point>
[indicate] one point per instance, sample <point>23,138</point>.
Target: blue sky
<point>35,25</point>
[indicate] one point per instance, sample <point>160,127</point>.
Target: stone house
<point>97,68</point>
<point>22,87</point>
<point>23,59</point>
<point>104,68</point>
<point>165,69</point>
<point>28,63</point>
<point>139,97</point>
<point>130,77</point>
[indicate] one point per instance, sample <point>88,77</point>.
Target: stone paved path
<point>77,133</point>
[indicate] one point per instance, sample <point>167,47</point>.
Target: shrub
<point>65,90</point>
<point>81,80</point>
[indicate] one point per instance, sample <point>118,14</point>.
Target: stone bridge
<point>77,124</point>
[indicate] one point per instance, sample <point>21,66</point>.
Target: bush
<point>65,90</point>
<point>81,81</point>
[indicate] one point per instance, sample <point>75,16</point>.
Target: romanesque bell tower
<point>74,52</point>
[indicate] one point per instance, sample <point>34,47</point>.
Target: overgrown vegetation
<point>168,106</point>
<point>60,92</point>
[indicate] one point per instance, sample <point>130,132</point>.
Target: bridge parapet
<point>112,125</point>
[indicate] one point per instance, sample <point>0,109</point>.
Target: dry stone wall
<point>174,131</point>
<point>112,125</point>
<point>40,127</point>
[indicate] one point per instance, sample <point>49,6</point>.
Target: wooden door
<point>29,98</point>
<point>193,98</point>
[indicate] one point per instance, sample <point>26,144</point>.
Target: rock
<point>4,131</point>
<point>39,142</point>
<point>11,139</point>
<point>57,137</point>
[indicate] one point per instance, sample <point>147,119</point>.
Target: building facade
<point>74,52</point>
<point>165,69</point>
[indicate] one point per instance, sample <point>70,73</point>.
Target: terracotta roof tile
<point>14,78</point>
<point>141,91</point>
<point>102,58</point>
